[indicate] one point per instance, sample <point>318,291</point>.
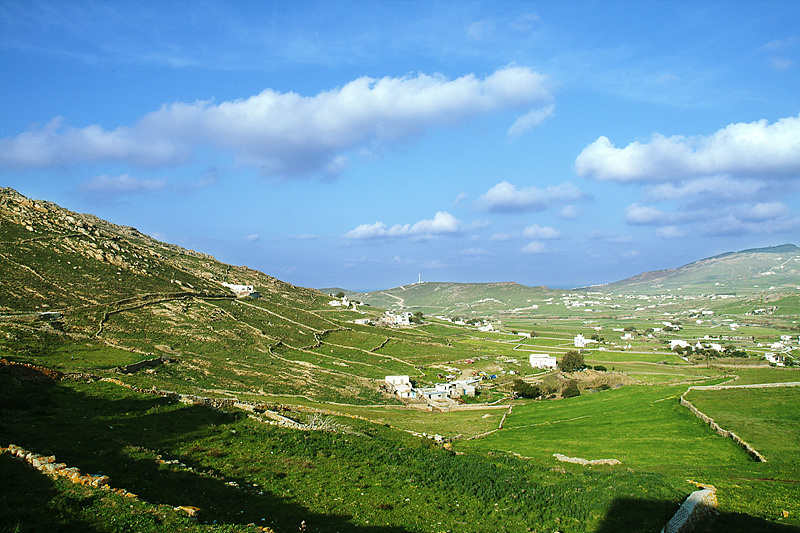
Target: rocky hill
<point>449,298</point>
<point>749,271</point>
<point>84,295</point>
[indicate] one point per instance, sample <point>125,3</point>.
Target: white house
<point>400,385</point>
<point>579,341</point>
<point>543,360</point>
<point>677,343</point>
<point>775,359</point>
<point>240,290</point>
<point>403,319</point>
<point>486,328</point>
<point>627,336</point>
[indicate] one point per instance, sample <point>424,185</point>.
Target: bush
<point>571,390</point>
<point>572,361</point>
<point>526,390</point>
<point>600,368</point>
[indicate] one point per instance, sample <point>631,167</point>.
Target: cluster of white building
<point>401,385</point>
<point>395,319</point>
<point>344,302</point>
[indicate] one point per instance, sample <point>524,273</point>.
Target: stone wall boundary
<point>699,504</point>
<point>752,386</point>
<point>752,452</point>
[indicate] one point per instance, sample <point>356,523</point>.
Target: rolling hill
<point>775,269</point>
<point>120,297</point>
<point>743,272</point>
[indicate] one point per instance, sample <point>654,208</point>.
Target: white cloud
<point>526,22</point>
<point>642,214</point>
<point>540,232</point>
<point>670,232</point>
<point>630,254</point>
<point>505,197</point>
<point>610,237</point>
<point>286,134</point>
<point>480,30</point>
<point>530,119</point>
<point>106,184</point>
<point>715,187</point>
<point>474,251</point>
<point>569,212</point>
<point>780,63</point>
<point>534,247</point>
<point>755,149</point>
<point>253,237</point>
<point>503,237</point>
<point>442,223</point>
<point>764,211</point>
<point>460,198</point>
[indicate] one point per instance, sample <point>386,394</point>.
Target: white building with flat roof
<point>543,360</point>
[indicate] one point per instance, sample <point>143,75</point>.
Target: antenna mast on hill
<point>420,278</point>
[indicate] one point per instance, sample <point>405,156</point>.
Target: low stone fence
<point>585,462</point>
<point>755,386</point>
<point>697,505</point>
<point>29,372</point>
<point>752,452</point>
<point>47,465</point>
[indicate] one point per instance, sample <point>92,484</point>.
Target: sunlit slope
<point>124,297</point>
<point>759,269</point>
<point>458,298</point>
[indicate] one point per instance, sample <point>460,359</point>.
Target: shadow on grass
<point>26,500</point>
<point>641,515</point>
<point>103,429</point>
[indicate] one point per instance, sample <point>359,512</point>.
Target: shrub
<point>600,368</point>
<point>571,390</point>
<point>572,361</point>
<point>526,390</point>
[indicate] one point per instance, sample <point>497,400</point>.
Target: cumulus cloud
<point>506,198</point>
<point>287,134</point>
<point>534,247</point>
<point>125,183</point>
<point>569,212</point>
<point>540,232</point>
<point>755,149</point>
<point>670,232</point>
<point>442,223</point>
<point>643,214</point>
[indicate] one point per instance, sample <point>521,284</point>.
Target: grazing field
<point>766,418</point>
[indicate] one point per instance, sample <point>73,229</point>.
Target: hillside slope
<point>123,297</point>
<point>746,271</point>
<point>457,298</point>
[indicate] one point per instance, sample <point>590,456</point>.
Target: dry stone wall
<point>699,504</point>
<point>752,452</point>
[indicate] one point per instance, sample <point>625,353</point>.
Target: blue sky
<point>361,144</point>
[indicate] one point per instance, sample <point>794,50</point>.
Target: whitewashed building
<point>543,360</point>
<point>400,385</point>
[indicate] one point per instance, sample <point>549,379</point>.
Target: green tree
<point>339,294</point>
<point>571,362</point>
<point>526,390</point>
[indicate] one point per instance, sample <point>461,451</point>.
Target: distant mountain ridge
<point>750,270</point>
<point>745,271</point>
